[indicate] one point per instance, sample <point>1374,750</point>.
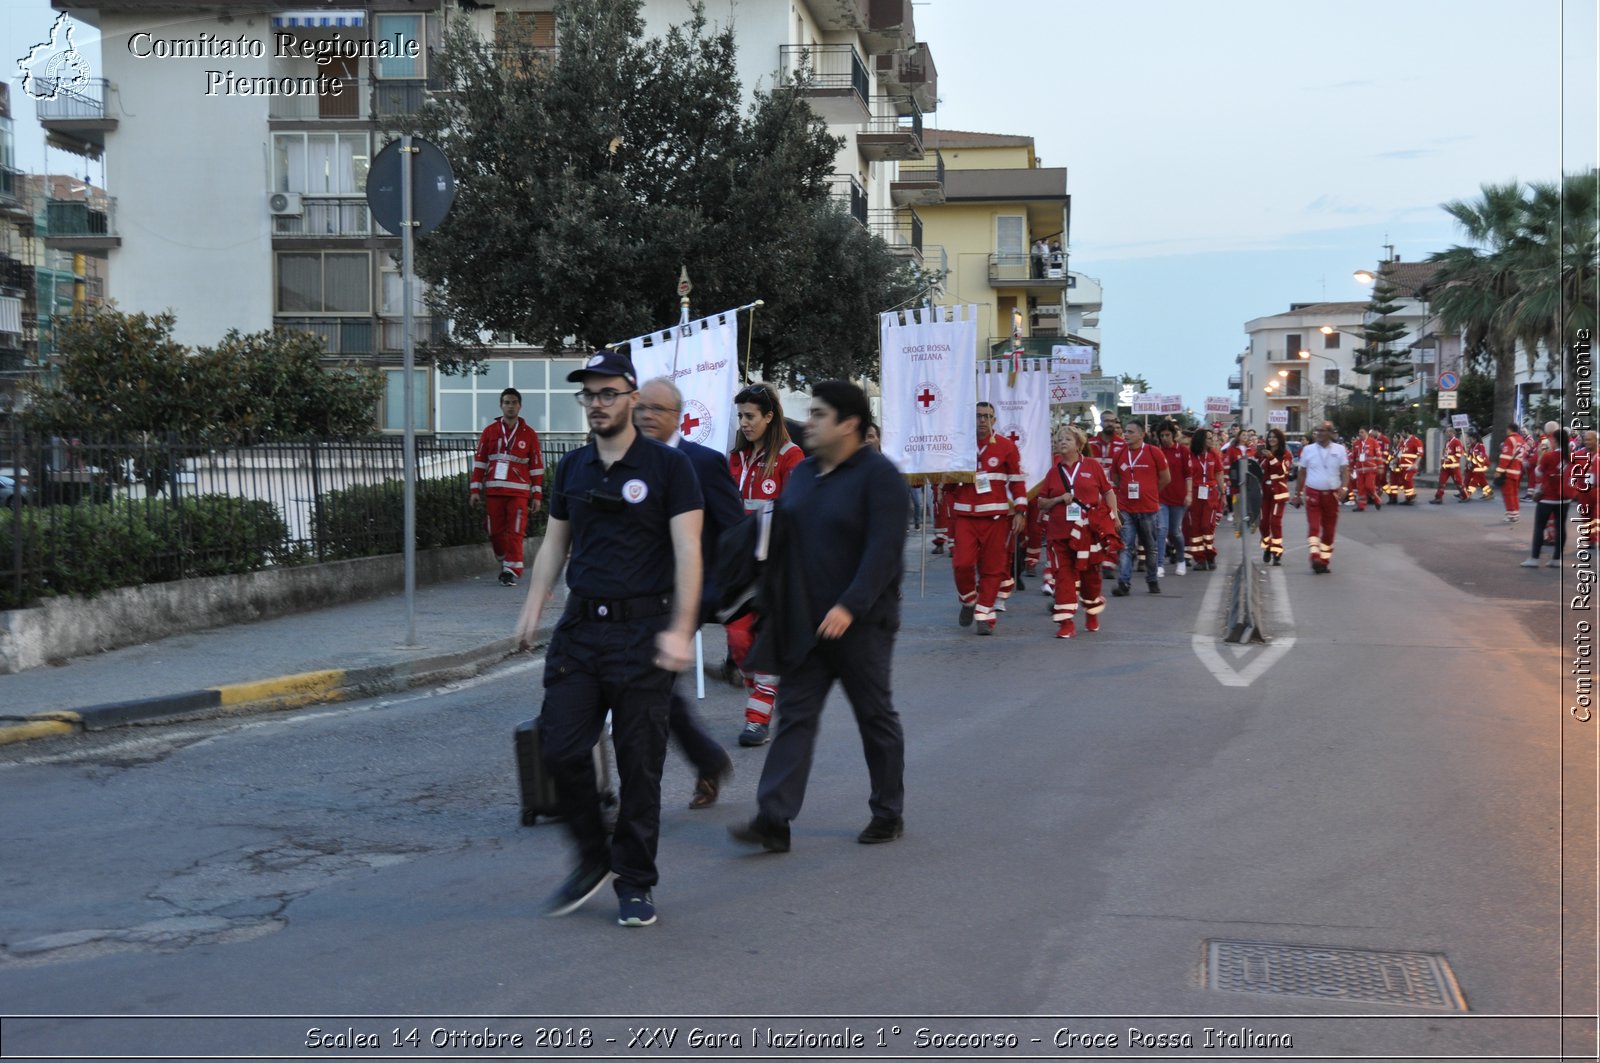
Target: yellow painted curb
<point>306,688</point>
<point>23,732</point>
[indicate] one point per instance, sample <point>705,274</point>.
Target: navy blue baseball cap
<point>605,363</point>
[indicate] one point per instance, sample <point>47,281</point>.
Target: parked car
<point>12,491</point>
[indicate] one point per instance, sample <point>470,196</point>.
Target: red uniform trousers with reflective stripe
<point>1510,491</point>
<point>1077,580</point>
<point>507,520</point>
<point>981,560</point>
<point>1322,520</point>
<point>760,688</point>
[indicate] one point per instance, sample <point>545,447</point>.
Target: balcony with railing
<point>13,274</point>
<point>1235,382</point>
<point>890,26</point>
<point>847,192</point>
<point>920,183</point>
<point>1018,269</point>
<point>353,102</point>
<point>1035,346</point>
<point>901,230</point>
<point>393,332</point>
<point>398,97</point>
<point>894,133</point>
<point>340,335</point>
<point>910,70</point>
<point>324,217</point>
<point>75,119</point>
<point>832,78</point>
<point>79,225</point>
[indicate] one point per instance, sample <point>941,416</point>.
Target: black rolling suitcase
<point>539,787</point>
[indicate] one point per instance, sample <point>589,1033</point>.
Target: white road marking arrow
<point>1206,646</point>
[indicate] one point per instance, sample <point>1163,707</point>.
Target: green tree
<point>1387,370</point>
<point>589,176</point>
<point>121,376</point>
<point>1527,278</point>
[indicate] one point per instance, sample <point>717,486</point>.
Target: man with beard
<point>629,509</point>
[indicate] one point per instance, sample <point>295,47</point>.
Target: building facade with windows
<point>1275,377</point>
<point>998,204</point>
<point>239,210</point>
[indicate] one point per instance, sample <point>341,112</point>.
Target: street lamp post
<point>1306,356</point>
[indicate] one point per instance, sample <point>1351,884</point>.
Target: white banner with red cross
<point>702,358</point>
<point>929,390</point>
<point>1021,411</point>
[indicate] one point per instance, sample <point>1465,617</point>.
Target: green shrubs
<point>86,549</point>
<point>363,521</point>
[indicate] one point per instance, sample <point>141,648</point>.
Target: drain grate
<point>1405,979</point>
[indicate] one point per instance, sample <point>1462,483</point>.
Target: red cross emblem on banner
<point>1013,436</point>
<point>926,398</point>
<point>690,423</point>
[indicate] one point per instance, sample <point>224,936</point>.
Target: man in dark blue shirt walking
<point>628,511</point>
<point>845,510</point>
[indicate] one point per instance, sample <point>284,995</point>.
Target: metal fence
<point>89,515</point>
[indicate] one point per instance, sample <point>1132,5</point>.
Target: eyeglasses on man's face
<point>604,397</point>
<point>650,407</point>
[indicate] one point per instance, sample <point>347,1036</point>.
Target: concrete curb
<point>264,695</point>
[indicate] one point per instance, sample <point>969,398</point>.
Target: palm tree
<point>1559,271</point>
<point>1479,287</point>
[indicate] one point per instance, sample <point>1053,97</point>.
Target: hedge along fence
<point>91,547</point>
<point>370,519</point>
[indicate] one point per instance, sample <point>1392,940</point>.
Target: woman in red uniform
<point>1277,468</point>
<point>1079,508</point>
<point>761,464</point>
<point>1200,519</point>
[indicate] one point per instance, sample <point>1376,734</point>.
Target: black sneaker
<point>1119,591</point>
<point>1154,587</point>
<point>579,886</point>
<point>754,734</point>
<point>881,829</point>
<point>1435,501</point>
<point>773,837</point>
<point>964,618</point>
<point>507,579</point>
<point>636,908</point>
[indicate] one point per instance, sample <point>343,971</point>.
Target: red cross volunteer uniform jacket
<point>998,488</point>
<point>508,462</point>
<point>749,469</point>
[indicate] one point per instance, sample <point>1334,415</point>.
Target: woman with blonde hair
<point>1079,508</point>
<point>760,463</point>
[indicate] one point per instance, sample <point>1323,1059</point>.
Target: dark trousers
<point>861,662</point>
<point>592,666</point>
<point>1543,513</point>
<point>703,751</point>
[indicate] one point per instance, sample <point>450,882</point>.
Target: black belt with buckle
<point>617,610</point>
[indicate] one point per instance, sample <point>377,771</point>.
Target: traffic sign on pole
<point>1448,381</point>
<point>1447,400</point>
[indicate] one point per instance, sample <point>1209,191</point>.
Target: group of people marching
<point>1107,507</point>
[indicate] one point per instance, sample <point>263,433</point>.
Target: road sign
<point>1448,381</point>
<point>433,187</point>
<point>1447,399</point>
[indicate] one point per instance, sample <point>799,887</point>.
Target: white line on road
<point>1206,646</point>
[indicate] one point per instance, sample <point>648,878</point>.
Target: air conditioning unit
<point>285,204</point>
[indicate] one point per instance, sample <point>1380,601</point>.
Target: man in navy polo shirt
<point>629,509</point>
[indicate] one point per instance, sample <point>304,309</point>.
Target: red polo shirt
<point>1143,466</point>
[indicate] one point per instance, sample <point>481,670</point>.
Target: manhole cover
<point>1405,979</point>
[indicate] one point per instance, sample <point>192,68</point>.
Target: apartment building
<point>241,210</point>
<point>1298,363</point>
<point>998,204</point>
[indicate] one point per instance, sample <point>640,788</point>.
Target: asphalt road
<point>1395,772</point>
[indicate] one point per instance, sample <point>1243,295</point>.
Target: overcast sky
<point>1226,159</point>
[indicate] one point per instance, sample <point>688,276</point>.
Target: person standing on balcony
<point>1041,254</point>
<point>508,467</point>
<point>761,465</point>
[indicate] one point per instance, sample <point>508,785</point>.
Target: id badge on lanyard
<point>502,467</point>
<point>1133,490</point>
<point>982,482</point>
<point>1202,491</point>
<point>1074,513</point>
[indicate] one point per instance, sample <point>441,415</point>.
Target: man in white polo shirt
<point>1323,481</point>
